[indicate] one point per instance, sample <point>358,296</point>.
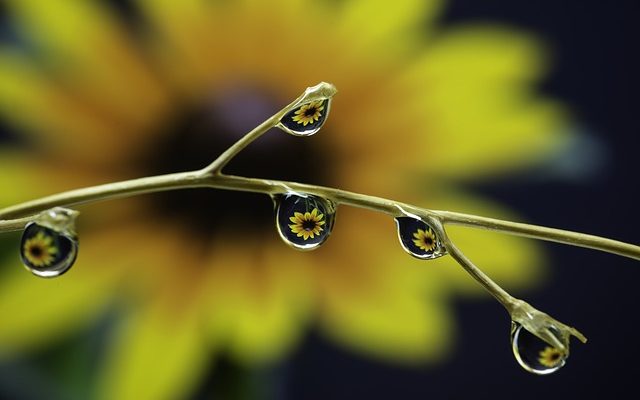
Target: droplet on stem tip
<point>533,354</point>
<point>306,119</point>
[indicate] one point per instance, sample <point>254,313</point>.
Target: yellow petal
<point>36,311</point>
<point>380,302</point>
<point>156,354</point>
<point>258,310</point>
<point>193,62</point>
<point>44,109</point>
<point>476,107</point>
<point>374,24</point>
<point>80,37</point>
<point>410,329</point>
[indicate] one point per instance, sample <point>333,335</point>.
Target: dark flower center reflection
<point>309,225</point>
<point>197,133</point>
<point>36,251</point>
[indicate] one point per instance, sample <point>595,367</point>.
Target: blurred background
<point>205,304</point>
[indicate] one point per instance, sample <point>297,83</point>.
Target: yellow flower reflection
<point>425,240</point>
<point>550,357</point>
<point>40,250</point>
<point>307,225</point>
<point>201,273</point>
<point>309,113</point>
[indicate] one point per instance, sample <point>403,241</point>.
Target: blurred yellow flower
<point>97,97</point>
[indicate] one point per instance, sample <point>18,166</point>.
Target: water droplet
<point>419,239</point>
<point>49,245</point>
<point>306,119</point>
<point>304,221</point>
<point>534,354</point>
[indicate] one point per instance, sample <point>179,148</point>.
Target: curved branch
<point>17,216</point>
<point>204,178</point>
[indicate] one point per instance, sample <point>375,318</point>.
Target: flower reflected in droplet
<point>40,250</point>
<point>425,239</point>
<point>550,357</point>
<point>307,225</point>
<point>309,113</point>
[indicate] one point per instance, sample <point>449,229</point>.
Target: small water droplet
<point>304,221</point>
<point>419,239</point>
<point>306,119</point>
<point>533,354</point>
<point>49,245</point>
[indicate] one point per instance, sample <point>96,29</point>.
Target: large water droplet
<point>304,221</point>
<point>419,239</point>
<point>49,245</point>
<point>534,354</point>
<point>306,119</point>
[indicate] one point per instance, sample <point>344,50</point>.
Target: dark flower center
<point>310,112</point>
<point>309,225</point>
<point>197,133</point>
<point>36,251</point>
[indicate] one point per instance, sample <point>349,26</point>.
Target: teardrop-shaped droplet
<point>534,354</point>
<point>306,119</point>
<point>419,239</point>
<point>49,245</point>
<point>304,222</point>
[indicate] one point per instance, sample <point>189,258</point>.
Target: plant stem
<point>496,291</point>
<point>17,216</point>
<point>542,233</point>
<point>321,91</point>
<point>14,224</point>
<point>203,178</point>
<point>105,192</point>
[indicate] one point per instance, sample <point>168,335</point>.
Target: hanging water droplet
<point>419,239</point>
<point>49,245</point>
<point>306,119</point>
<point>304,221</point>
<point>534,354</point>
